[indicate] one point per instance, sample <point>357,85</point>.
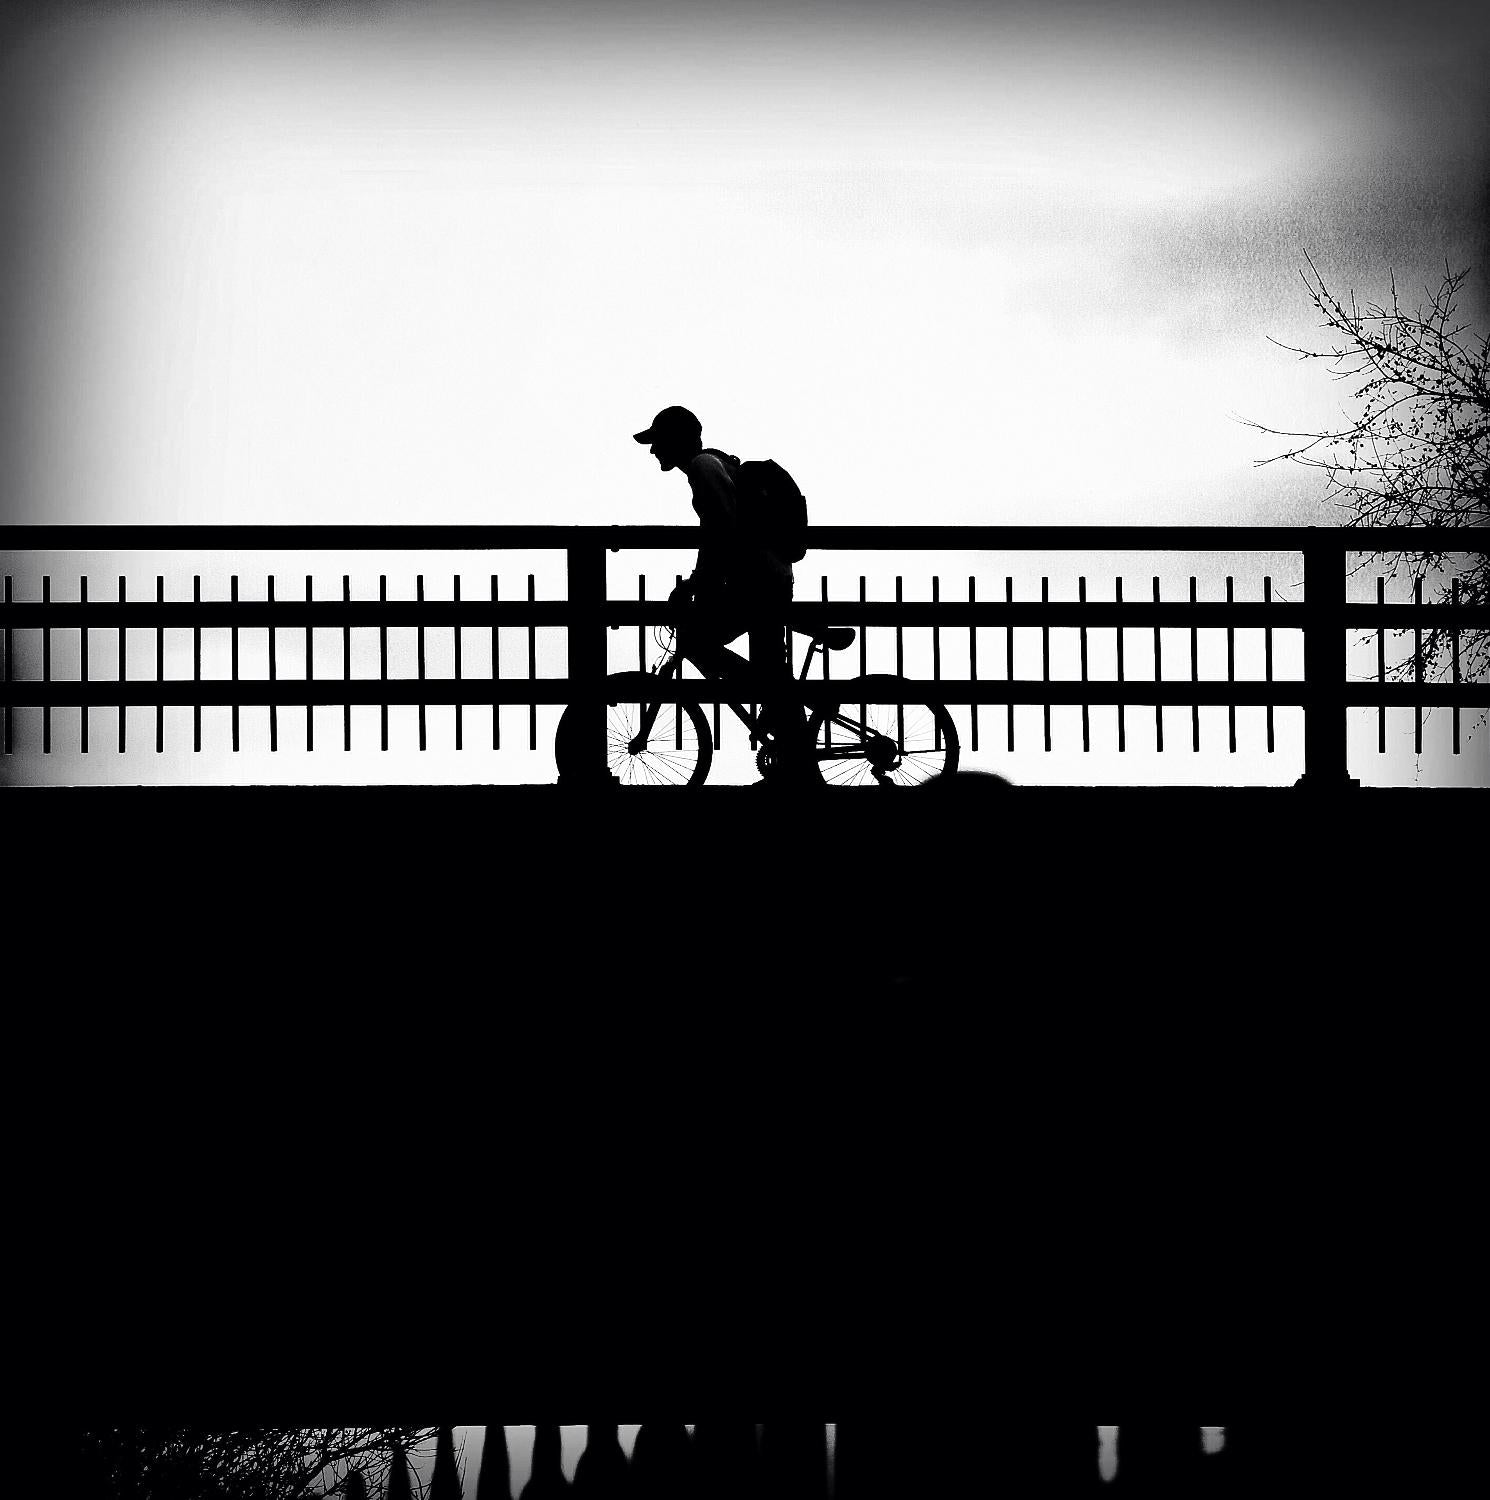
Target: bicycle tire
<point>925,748</point>
<point>662,762</point>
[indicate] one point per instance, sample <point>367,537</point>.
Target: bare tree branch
<point>256,1463</point>
<point>1415,452</point>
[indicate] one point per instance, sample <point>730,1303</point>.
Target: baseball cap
<point>669,422</point>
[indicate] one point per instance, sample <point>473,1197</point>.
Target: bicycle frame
<point>673,667</point>
<point>898,737</point>
<point>879,749</point>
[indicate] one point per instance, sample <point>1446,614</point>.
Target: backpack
<point>773,511</point>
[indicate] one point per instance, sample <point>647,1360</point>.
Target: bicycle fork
<point>651,710</point>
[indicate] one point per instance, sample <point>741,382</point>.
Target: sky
<point>951,263</point>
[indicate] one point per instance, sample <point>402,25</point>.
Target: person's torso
<point>745,562</point>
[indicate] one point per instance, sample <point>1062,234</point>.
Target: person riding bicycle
<point>737,585</point>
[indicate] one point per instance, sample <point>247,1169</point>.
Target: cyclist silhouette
<point>736,586</point>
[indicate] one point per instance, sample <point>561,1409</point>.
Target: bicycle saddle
<point>836,638</point>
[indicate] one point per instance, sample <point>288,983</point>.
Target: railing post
<point>1325,661</point>
<point>587,656</point>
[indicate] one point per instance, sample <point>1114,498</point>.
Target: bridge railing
<point>1325,618</point>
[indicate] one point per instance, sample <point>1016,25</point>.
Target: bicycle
<point>897,738</point>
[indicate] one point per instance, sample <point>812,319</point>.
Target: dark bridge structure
<point>892,1458</point>
<point>1323,619</point>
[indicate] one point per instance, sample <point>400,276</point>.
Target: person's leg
<point>706,651</point>
<point>702,640</point>
<point>786,720</point>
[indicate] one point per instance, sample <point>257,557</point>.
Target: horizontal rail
<point>280,691</point>
<point>820,538</point>
<point>326,614</point>
<point>434,614</point>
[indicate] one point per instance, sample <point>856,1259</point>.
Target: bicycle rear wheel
<point>883,734</point>
<point>677,752</point>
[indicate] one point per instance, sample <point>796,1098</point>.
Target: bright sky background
<point>952,263</point>
<point>520,1449</point>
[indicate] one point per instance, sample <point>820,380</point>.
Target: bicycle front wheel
<point>882,734</point>
<point>677,749</point>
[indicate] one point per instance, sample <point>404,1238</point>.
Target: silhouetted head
<point>676,435</point>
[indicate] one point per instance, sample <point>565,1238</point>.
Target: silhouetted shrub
<point>245,1463</point>
<point>399,1486</point>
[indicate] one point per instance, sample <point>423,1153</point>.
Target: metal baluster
<point>1009,658</point>
<point>196,667</point>
<point>459,736</point>
<point>9,671</point>
<point>1158,677</point>
<point>1417,665</point>
<point>233,595</point>
<point>677,709</point>
<point>936,657</point>
<point>47,668</point>
<point>1381,668</point>
<point>419,598</point>
<point>641,629</point>
<point>863,646</point>
<point>1122,707</point>
<point>273,677</point>
<point>1194,674</point>
<point>123,664</point>
<point>383,649</point>
<point>972,659</point>
<point>346,665</point>
<point>827,672</point>
<point>1045,656</point>
<point>83,673</point>
<point>1086,717</point>
<point>1230,670</point>
<point>899,669</point>
<point>532,670</point>
<point>496,676</point>
<point>310,671</point>
<point>1454,648</point>
<point>1267,657</point>
<point>160,668</point>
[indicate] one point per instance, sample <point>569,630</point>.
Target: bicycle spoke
<point>671,770</point>
<point>670,749</point>
<point>910,741</point>
<point>660,762</point>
